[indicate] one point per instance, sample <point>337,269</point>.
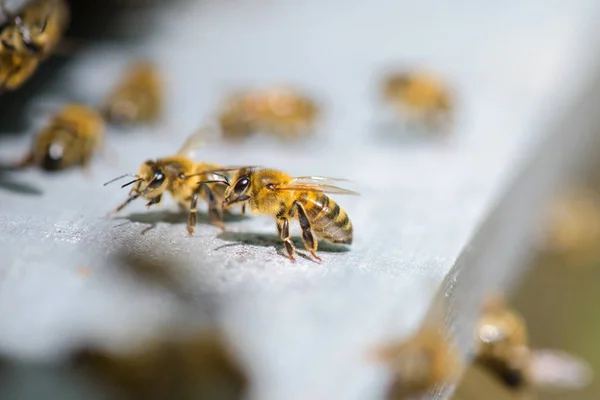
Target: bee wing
<point>556,369</point>
<point>317,179</point>
<point>233,168</point>
<point>227,171</point>
<point>317,187</point>
<point>196,140</point>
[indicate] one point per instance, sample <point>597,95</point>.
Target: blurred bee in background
<point>421,98</point>
<point>502,348</point>
<point>197,367</point>
<point>138,97</point>
<point>71,138</point>
<point>420,364</point>
<point>28,38</point>
<point>281,112</point>
<point>36,30</point>
<point>179,175</point>
<point>272,192</point>
<point>570,228</point>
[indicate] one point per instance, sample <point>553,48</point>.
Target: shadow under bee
<point>153,218</point>
<point>274,241</point>
<point>10,184</point>
<point>166,271</point>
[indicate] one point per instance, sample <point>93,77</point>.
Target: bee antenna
<point>120,177</point>
<point>132,182</point>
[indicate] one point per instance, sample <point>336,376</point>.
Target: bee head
<point>53,157</point>
<point>153,180</point>
<point>395,84</point>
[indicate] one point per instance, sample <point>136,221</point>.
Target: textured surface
<point>301,328</point>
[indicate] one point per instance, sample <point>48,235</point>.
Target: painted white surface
<point>301,328</point>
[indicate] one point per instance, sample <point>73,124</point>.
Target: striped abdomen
<point>327,218</point>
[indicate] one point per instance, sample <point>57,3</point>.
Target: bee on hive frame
<point>272,192</point>
<point>71,138</point>
<point>420,97</point>
<point>425,361</point>
<point>179,175</point>
<point>277,111</point>
<point>28,38</point>
<point>138,97</point>
<point>502,349</point>
<point>36,30</point>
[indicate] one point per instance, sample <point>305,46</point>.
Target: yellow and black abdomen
<point>328,220</point>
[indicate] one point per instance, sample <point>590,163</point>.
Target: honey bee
<point>15,70</point>
<point>28,38</point>
<point>425,361</point>
<point>71,138</point>
<point>502,348</point>
<point>420,97</point>
<point>37,30</point>
<point>277,111</point>
<point>179,175</point>
<point>138,97</point>
<point>276,193</point>
<point>202,366</point>
<point>570,228</point>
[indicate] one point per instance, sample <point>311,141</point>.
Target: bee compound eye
<point>158,179</point>
<point>241,185</point>
<point>53,159</point>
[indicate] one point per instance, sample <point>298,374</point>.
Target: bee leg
<point>283,226</point>
<point>26,161</point>
<point>244,209</point>
<point>310,243</point>
<point>193,216</point>
<point>122,205</point>
<point>153,201</point>
<point>215,213</point>
<point>85,166</point>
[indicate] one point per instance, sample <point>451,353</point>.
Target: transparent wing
<point>225,171</point>
<point>554,369</point>
<point>232,168</point>
<point>317,179</point>
<point>317,187</point>
<point>200,138</point>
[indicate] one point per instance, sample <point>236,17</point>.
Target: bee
<point>425,361</point>
<point>570,228</point>
<point>15,70</point>
<point>71,138</point>
<point>420,97</point>
<point>179,175</point>
<point>138,97</point>
<point>277,111</point>
<point>272,192</point>
<point>37,30</point>
<point>502,348</point>
<point>28,38</point>
<point>201,366</point>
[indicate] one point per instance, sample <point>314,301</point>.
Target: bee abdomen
<point>329,221</point>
